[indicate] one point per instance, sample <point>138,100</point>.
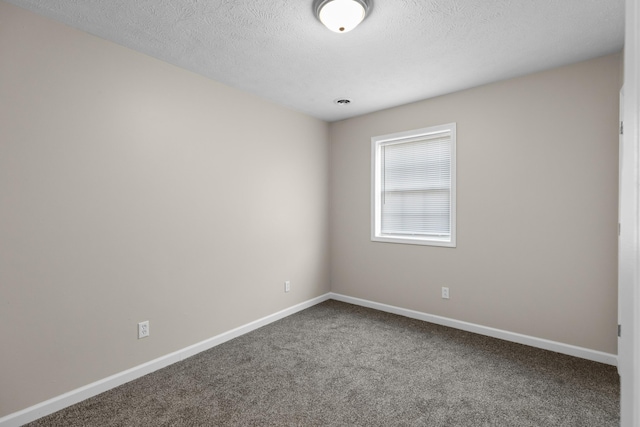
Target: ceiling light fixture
<point>341,16</point>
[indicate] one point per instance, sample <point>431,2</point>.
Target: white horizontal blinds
<point>416,186</point>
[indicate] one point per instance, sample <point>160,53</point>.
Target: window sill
<point>447,243</point>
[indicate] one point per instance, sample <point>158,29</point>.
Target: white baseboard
<point>571,350</point>
<point>57,403</point>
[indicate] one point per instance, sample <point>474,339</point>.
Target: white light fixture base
<point>341,16</point>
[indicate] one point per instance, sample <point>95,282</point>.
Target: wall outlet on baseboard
<point>287,286</point>
<point>143,329</point>
<point>445,293</point>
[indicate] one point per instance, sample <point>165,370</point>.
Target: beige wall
<point>537,208</point>
<point>132,190</point>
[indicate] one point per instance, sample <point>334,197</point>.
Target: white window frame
<point>376,184</point>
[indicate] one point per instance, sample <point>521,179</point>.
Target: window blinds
<point>416,186</point>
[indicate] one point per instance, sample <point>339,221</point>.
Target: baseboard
<point>571,350</point>
<point>57,403</point>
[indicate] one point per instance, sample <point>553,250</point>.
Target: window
<point>414,187</point>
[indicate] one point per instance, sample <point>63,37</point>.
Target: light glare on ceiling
<point>341,16</point>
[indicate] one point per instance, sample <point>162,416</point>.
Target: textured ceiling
<point>404,51</point>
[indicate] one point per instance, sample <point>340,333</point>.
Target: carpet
<point>337,364</point>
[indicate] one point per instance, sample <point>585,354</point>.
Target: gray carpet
<point>336,364</point>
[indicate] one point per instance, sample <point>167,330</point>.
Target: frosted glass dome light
<point>341,16</point>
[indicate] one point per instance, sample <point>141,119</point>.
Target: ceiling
<point>404,51</point>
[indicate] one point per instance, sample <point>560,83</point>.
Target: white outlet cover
<point>143,329</point>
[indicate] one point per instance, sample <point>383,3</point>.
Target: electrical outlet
<point>287,286</point>
<point>445,293</point>
<point>143,329</point>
